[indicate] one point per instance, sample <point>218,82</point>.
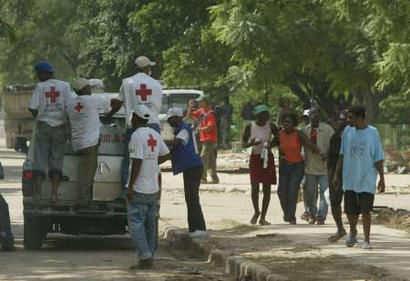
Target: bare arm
<point>307,143</point>
<point>115,107</point>
<point>135,170</point>
<point>380,168</point>
<point>275,132</point>
<point>338,173</point>
<point>246,136</point>
<point>164,158</point>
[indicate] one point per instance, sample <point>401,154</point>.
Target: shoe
<point>215,181</point>
<point>337,236</point>
<point>305,216</point>
<point>254,218</point>
<point>264,222</point>
<point>286,219</point>
<point>366,246</point>
<point>320,222</point>
<point>351,240</point>
<point>200,234</point>
<point>312,220</point>
<point>143,264</point>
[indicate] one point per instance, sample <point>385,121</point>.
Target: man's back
<point>50,98</point>
<point>85,121</point>
<point>147,145</point>
<point>142,89</point>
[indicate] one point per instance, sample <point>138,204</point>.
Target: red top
<point>290,146</point>
<point>207,119</point>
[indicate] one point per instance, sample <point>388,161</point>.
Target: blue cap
<point>260,108</point>
<point>43,67</point>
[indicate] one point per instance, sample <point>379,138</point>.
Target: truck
<point>105,214</point>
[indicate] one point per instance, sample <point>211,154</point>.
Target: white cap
<point>143,61</point>
<point>306,112</point>
<point>141,111</point>
<point>80,83</point>
<point>175,111</point>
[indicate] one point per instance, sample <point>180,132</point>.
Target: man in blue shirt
<point>361,158</point>
<point>185,159</point>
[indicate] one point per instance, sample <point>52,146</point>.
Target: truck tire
<point>34,232</point>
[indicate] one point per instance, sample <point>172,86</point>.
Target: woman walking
<point>291,164</point>
<point>259,135</point>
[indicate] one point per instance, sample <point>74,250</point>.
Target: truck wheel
<point>34,232</point>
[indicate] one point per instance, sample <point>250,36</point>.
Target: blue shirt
<point>361,149</point>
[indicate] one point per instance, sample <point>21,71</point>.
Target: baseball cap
<point>261,108</point>
<point>80,83</point>
<point>43,67</point>
<point>143,61</point>
<point>141,111</point>
<point>174,111</point>
<point>306,112</point>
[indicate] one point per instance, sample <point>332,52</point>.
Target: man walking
<point>336,194</point>
<point>85,133</point>
<point>47,105</point>
<point>138,90</point>
<point>147,150</point>
<point>362,157</point>
<point>315,167</point>
<point>207,135</point>
<point>186,160</point>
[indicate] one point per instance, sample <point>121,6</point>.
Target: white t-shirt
<point>147,144</point>
<point>184,136</point>
<point>50,99</point>
<point>84,119</point>
<point>141,89</point>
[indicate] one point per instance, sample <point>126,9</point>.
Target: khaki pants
<point>87,168</point>
<point>208,155</point>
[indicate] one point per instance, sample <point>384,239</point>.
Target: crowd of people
<point>313,160</point>
<point>346,161</point>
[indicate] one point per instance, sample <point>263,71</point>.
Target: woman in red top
<point>291,164</point>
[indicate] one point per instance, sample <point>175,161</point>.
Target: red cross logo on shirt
<point>78,107</point>
<point>52,95</point>
<point>152,142</point>
<point>143,92</point>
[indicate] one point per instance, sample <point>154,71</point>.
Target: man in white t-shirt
<point>136,91</point>
<point>47,105</point>
<point>85,134</point>
<point>147,150</point>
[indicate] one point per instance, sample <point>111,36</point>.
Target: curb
<point>237,266</point>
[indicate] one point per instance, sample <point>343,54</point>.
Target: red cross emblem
<point>152,142</point>
<point>143,92</point>
<point>78,107</point>
<point>52,95</point>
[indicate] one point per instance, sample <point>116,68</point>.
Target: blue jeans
<point>125,164</point>
<point>290,176</point>
<point>142,210</point>
<point>313,181</point>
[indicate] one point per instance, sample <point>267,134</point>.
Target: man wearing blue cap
<point>47,105</point>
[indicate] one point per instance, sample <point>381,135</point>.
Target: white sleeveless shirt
<point>263,133</point>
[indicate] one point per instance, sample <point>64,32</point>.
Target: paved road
<point>86,258</point>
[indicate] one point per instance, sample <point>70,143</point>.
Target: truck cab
<point>106,212</point>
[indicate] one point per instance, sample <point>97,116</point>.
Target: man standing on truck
<point>85,133</point>
<point>208,136</point>
<point>147,150</point>
<point>47,105</point>
<point>137,90</point>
